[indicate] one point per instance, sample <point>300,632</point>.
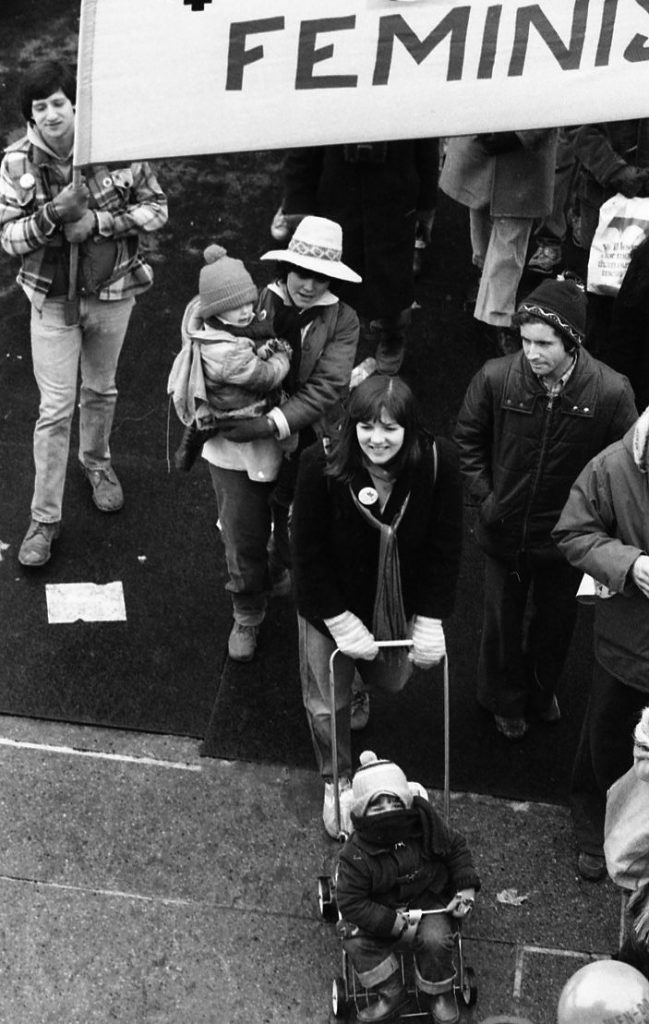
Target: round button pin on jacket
<point>367,495</point>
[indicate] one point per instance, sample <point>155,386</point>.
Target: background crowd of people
<point>325,478</point>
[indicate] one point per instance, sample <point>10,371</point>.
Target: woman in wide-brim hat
<point>323,334</point>
<point>316,246</point>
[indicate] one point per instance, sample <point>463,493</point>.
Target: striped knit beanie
<point>561,304</point>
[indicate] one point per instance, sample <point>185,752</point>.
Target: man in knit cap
<point>401,857</point>
<point>604,531</point>
<point>529,423</point>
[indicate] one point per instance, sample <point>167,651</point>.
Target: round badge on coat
<point>107,182</point>
<point>367,496</point>
<point>27,180</point>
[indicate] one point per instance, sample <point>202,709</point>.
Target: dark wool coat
<point>326,361</point>
<point>336,552</point>
<point>603,528</point>
<point>626,345</point>
<point>375,201</point>
<point>372,881</point>
<point>520,451</point>
<point>602,149</point>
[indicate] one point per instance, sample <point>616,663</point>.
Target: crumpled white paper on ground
<point>86,602</point>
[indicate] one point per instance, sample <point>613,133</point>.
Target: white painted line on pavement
<point>85,602</point>
<point>521,952</point>
<point>100,755</point>
<point>167,900</point>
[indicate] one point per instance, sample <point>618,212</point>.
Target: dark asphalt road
<point>165,668</point>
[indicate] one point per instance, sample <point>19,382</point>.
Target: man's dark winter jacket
<point>603,528</point>
<point>373,881</point>
<point>520,450</point>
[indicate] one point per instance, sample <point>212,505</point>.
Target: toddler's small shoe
<point>591,866</point>
<point>329,808</point>
<point>444,1008</point>
<point>242,642</point>
<point>511,728</point>
<point>36,547</point>
<point>107,491</point>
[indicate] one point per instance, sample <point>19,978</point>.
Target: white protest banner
<point>182,77</point>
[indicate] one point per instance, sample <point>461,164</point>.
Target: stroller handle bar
<point>334,735</point>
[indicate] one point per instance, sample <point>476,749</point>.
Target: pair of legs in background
<point>604,753</point>
<point>92,345</point>
<point>529,617</point>
<point>253,518</point>
<point>499,246</point>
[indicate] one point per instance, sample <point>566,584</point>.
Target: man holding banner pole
<point>58,223</point>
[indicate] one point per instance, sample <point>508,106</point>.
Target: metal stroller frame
<point>346,992</point>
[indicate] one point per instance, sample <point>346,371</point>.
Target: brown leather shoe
<point>392,996</point>
<point>107,492</point>
<point>35,549</point>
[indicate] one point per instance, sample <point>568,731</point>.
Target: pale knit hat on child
<point>223,283</point>
<point>375,777</point>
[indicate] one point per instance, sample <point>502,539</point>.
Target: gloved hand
<point>494,143</point>
<point>71,203</point>
<point>352,637</point>
<point>428,644</point>
<point>462,903</point>
<point>79,230</point>
<point>640,573</point>
<point>630,181</point>
<point>247,430</point>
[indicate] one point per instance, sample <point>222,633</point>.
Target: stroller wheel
<point>469,988</point>
<point>326,899</point>
<point>338,998</point>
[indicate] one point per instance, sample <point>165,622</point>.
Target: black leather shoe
<point>591,866</point>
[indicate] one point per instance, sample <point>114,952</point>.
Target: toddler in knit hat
<point>231,364</point>
<point>402,859</point>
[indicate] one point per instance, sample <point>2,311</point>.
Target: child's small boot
<point>444,1008</point>
<point>391,994</point>
<point>190,445</point>
<point>441,996</point>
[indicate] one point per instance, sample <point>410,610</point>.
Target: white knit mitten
<point>352,637</point>
<point>428,644</point>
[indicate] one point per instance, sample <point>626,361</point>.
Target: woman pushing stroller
<point>376,536</point>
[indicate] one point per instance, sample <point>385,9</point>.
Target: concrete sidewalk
<point>143,884</point>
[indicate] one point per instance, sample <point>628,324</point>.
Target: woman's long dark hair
<point>378,393</point>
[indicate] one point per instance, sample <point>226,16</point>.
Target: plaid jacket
<point>127,200</point>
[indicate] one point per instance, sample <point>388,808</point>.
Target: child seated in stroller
<point>400,857</point>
